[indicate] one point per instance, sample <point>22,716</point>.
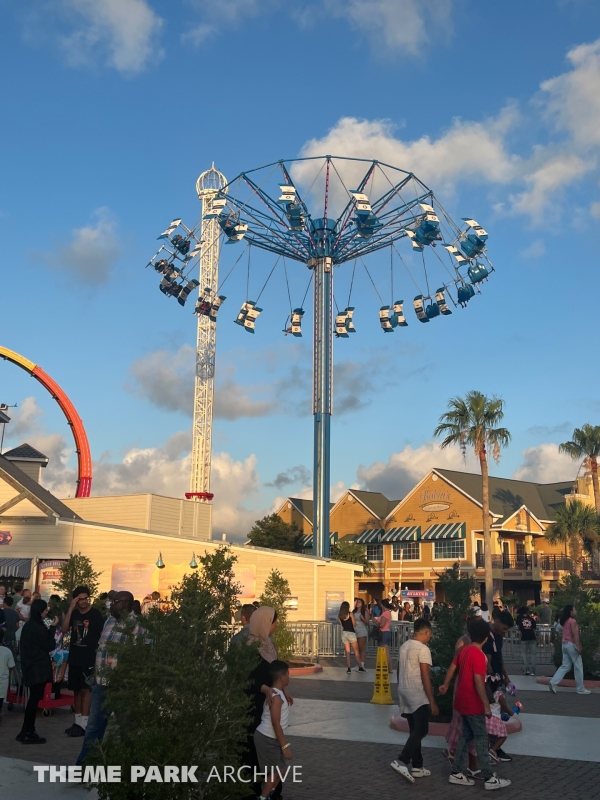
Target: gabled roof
<point>508,496</point>
<point>305,507</point>
<point>45,499</point>
<point>25,452</point>
<point>375,502</point>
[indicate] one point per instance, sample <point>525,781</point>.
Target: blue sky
<point>111,109</point>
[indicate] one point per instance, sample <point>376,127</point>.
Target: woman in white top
<point>361,623</point>
<point>272,748</point>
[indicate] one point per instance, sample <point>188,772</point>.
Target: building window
<point>411,551</point>
<point>449,548</point>
<point>375,552</point>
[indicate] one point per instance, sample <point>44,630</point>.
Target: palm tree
<point>472,422</point>
<point>586,444</point>
<point>577,526</point>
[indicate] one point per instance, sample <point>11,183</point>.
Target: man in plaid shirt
<point>121,623</point>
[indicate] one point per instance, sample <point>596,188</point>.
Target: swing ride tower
<point>208,186</point>
<point>323,212</point>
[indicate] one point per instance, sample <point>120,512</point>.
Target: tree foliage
<point>272,532</point>
<point>177,691</point>
<point>76,571</point>
<point>353,553</point>
<point>472,421</point>
<point>275,593</point>
<point>578,526</point>
<point>450,625</point>
<point>585,445</point>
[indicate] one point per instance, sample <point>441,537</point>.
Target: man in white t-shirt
<point>415,699</point>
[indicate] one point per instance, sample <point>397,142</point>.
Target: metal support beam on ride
<point>322,393</point>
<point>207,187</point>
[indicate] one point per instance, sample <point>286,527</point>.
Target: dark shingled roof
<point>53,503</point>
<point>25,452</point>
<point>507,495</point>
<point>306,507</point>
<point>375,502</point>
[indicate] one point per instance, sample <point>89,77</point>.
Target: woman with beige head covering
<point>262,624</point>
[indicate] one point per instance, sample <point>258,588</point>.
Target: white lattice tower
<point>207,186</point>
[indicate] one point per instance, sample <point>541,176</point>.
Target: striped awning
<point>15,568</point>
<point>452,530</point>
<point>370,536</point>
<point>307,540</point>
<point>408,534</point>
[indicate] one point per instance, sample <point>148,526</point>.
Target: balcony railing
<point>505,561</point>
<point>557,563</point>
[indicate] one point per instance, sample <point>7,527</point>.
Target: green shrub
<point>275,593</point>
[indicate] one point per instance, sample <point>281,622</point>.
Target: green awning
<point>407,534</point>
<point>370,536</point>
<point>307,540</point>
<point>452,530</point>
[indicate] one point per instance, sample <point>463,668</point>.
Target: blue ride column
<point>322,392</point>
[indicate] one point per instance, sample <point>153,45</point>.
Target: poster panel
<point>333,601</point>
<point>246,576</point>
<point>47,575</point>
<point>134,578</point>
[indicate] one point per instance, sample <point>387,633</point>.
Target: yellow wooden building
<point>125,536</point>
<point>440,522</point>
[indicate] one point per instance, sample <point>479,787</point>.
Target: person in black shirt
<point>527,625</point>
<point>493,647</point>
<point>85,624</point>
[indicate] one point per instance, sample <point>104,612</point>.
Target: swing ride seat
<point>398,307</point>
<point>472,245</point>
<point>477,272</point>
<point>167,234</point>
<point>465,293</point>
<point>184,291</point>
<point>181,244</point>
<point>216,207</point>
<point>367,225</point>
<point>387,321</point>
<point>432,310</point>
<point>420,308</point>
<point>440,299</point>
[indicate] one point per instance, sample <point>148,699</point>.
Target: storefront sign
<point>432,500</point>
<point>5,537</point>
<point>424,593</point>
<point>48,573</point>
<point>333,601</point>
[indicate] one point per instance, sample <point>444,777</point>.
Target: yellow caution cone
<point>382,694</point>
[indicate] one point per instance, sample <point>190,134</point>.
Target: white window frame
<point>449,558</point>
<point>375,560</point>
<point>405,558</point>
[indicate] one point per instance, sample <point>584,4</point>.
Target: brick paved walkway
<point>335,770</point>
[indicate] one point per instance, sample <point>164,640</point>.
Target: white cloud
<point>554,173</point>
<point>224,14</point>
<point>595,210</point>
<point>535,250</point>
<point>120,32</point>
<point>398,26</point>
<point>91,253</point>
<point>166,380</point>
<point>473,151</point>
<point>545,464</point>
<point>407,467</point>
<point>198,34</point>
<point>573,98</point>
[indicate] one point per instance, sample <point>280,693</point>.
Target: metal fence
<point>315,639</point>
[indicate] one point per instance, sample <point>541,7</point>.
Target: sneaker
<point>68,730</point>
<point>494,756</point>
<point>401,768</point>
<point>502,756</point>
<point>552,687</point>
<point>361,669</point>
<point>76,730</point>
<point>496,783</point>
<point>460,780</point>
<point>32,738</point>
<point>474,773</point>
<point>421,772</point>
<point>20,736</point>
<point>348,671</point>
<point>584,691</point>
